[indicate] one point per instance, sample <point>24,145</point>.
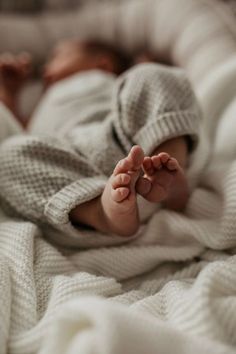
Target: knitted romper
<point>43,177</point>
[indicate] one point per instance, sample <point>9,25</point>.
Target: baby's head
<point>72,56</point>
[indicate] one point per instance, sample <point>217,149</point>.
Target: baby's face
<point>71,57</point>
<point>66,59</point>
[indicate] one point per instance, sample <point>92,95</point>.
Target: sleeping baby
<point>101,138</point>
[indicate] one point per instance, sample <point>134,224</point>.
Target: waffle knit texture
<point>176,280</point>
<point>172,290</point>
<point>44,178</point>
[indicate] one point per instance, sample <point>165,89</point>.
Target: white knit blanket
<point>173,290</point>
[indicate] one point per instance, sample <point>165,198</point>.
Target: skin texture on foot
<point>119,200</point>
<point>116,210</point>
<point>163,181</point>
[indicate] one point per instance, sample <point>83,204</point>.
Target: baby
<point>66,59</point>
<point>130,136</point>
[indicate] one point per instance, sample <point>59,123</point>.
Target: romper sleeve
<point>43,179</point>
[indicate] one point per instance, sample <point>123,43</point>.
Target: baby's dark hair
<point>122,60</point>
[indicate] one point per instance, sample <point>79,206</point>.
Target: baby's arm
<point>116,211</point>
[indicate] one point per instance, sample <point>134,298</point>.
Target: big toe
<point>136,157</point>
<point>131,163</point>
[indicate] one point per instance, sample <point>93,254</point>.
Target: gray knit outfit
<point>42,178</point>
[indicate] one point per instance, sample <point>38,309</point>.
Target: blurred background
<point>33,6</point>
<point>172,29</point>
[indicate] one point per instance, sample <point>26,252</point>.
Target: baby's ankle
<point>91,214</point>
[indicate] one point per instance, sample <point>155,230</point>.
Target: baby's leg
<point>157,110</point>
<point>116,211</point>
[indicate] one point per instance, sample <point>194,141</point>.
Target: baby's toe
<point>119,194</point>
<point>132,162</point>
<point>136,156</point>
<point>157,163</point>
<point>164,157</point>
<point>148,167</point>
<point>123,166</point>
<point>172,164</point>
<point>120,180</point>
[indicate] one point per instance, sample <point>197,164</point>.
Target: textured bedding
<point>171,290</point>
<point>176,280</point>
<point>196,35</point>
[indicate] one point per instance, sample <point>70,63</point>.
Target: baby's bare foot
<point>163,181</point>
<point>119,197</point>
